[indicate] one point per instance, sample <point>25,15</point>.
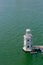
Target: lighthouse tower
<point>28,41</point>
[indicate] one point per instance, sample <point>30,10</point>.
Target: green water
<point>15,17</point>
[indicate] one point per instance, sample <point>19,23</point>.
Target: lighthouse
<point>28,47</point>
<point>27,41</point>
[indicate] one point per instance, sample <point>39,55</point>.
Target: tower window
<point>31,45</point>
<point>28,40</point>
<point>27,46</point>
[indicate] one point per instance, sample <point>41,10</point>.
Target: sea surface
<point>15,17</point>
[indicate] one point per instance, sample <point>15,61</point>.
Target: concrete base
<point>27,50</point>
<point>35,49</point>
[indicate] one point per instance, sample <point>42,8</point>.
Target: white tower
<point>27,41</point>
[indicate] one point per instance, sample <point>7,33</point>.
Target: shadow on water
<point>33,59</point>
<point>27,59</point>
